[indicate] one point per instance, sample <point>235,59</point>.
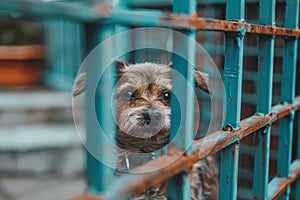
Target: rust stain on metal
<point>87,196</point>
<point>175,19</point>
<point>214,24</point>
<point>200,23</point>
<point>104,8</point>
<point>227,128</point>
<point>233,153</point>
<point>257,141</point>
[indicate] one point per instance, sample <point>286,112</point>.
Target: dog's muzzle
<point>152,117</point>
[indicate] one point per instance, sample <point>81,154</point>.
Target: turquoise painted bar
<point>65,49</point>
<point>297,193</point>
<point>100,125</point>
<point>264,88</point>
<point>182,136</point>
<point>288,88</point>
<point>233,67</point>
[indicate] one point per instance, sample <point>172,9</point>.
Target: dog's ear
<point>121,65</point>
<point>170,64</point>
<point>201,80</point>
<point>79,84</point>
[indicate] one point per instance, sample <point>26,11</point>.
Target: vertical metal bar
<point>69,41</point>
<point>233,87</point>
<point>205,60</point>
<point>122,43</point>
<point>56,53</point>
<point>233,76</point>
<point>288,87</point>
<point>298,155</point>
<point>179,186</point>
<point>265,80</point>
<point>64,46</point>
<point>72,37</point>
<point>79,48</point>
<point>184,93</point>
<point>235,9</point>
<point>229,168</point>
<point>99,176</point>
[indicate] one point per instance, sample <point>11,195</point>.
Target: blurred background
<point>41,156</point>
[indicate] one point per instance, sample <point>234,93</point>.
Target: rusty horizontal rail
<point>154,3</point>
<point>70,10</point>
<point>278,185</point>
<point>227,26</point>
<point>208,145</point>
<point>99,12</point>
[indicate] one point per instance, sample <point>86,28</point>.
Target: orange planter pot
<point>20,66</point>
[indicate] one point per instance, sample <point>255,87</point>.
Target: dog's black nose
<point>152,116</point>
<point>147,117</point>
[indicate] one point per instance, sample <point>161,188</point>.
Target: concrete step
<point>40,188</point>
<point>34,99</point>
<point>37,133</point>
<point>37,149</point>
<point>38,136</point>
<point>31,106</point>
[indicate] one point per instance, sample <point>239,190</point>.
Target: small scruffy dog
<point>143,115</point>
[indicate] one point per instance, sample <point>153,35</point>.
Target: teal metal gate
<point>100,21</point>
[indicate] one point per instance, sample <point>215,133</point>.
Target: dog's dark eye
<point>128,95</point>
<point>166,96</point>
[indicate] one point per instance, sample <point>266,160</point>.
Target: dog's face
<point>143,99</point>
<point>144,103</point>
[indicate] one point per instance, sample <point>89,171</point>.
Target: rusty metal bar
<point>213,143</point>
<point>97,12</point>
<point>193,21</point>
<point>279,185</point>
<point>169,2</point>
<point>227,26</point>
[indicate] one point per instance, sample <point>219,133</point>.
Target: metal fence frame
<point>227,140</point>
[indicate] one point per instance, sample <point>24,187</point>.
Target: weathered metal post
<point>183,109</point>
<point>264,88</point>
<point>233,87</point>
<point>99,116</point>
<point>288,87</point>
